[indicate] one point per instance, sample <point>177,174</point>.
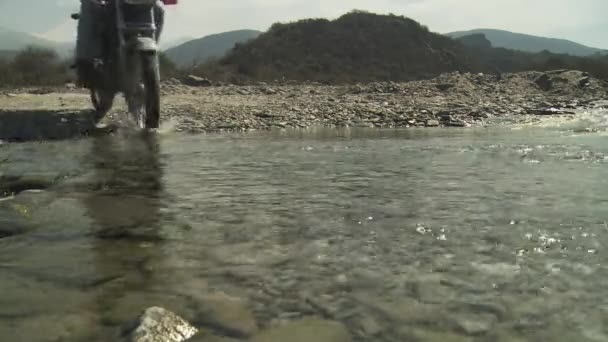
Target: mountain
<point>213,46</point>
<point>528,43</point>
<point>13,41</point>
<point>170,44</point>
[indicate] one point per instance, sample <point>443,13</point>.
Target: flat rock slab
<point>228,314</point>
<point>306,330</point>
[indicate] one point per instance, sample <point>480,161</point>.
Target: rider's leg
<point>159,18</point>
<point>88,43</point>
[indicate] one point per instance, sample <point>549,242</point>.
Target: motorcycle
<point>129,63</point>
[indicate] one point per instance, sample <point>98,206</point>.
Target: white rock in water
<point>160,325</point>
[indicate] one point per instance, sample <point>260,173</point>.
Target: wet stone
<point>160,325</point>
<point>475,324</point>
<point>432,292</point>
<point>306,330</point>
<point>15,185</point>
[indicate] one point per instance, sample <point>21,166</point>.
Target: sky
<point>582,21</point>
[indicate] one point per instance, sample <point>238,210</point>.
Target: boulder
<point>432,123</point>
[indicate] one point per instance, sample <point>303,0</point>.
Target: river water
<point>401,235</point>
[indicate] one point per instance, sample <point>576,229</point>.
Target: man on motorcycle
<point>89,43</point>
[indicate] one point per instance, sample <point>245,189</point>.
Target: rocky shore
<point>460,100</point>
<point>455,99</point>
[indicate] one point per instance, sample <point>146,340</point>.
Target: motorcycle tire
<point>151,82</point>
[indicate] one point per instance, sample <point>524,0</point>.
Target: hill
<point>8,54</point>
<point>209,47</point>
<point>364,47</point>
<point>529,43</point>
<point>475,40</point>
<point>358,46</point>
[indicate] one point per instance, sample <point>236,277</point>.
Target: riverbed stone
<point>475,325</point>
<point>306,330</point>
<point>74,326</point>
<point>432,123</point>
<point>160,325</point>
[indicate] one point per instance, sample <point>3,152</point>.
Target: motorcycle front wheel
<point>151,83</point>
<point>143,95</point>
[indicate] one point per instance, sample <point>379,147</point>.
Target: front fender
<point>144,44</point>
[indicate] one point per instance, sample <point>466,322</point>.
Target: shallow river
<point>400,235</point>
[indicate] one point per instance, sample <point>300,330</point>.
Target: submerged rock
<point>160,325</point>
<point>229,315</point>
<point>8,229</point>
<point>51,327</point>
<point>476,324</point>
<point>306,330</point>
<point>502,270</point>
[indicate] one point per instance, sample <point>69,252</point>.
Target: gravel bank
<point>455,99</point>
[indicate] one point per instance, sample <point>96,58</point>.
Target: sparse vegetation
<point>34,66</point>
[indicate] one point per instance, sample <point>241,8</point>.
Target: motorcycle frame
<point>133,38</point>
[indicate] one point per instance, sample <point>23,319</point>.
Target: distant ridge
<point>213,46</point>
<point>13,41</point>
<point>529,43</point>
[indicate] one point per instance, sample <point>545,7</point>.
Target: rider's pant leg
<point>88,43</point>
<point>159,14</point>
